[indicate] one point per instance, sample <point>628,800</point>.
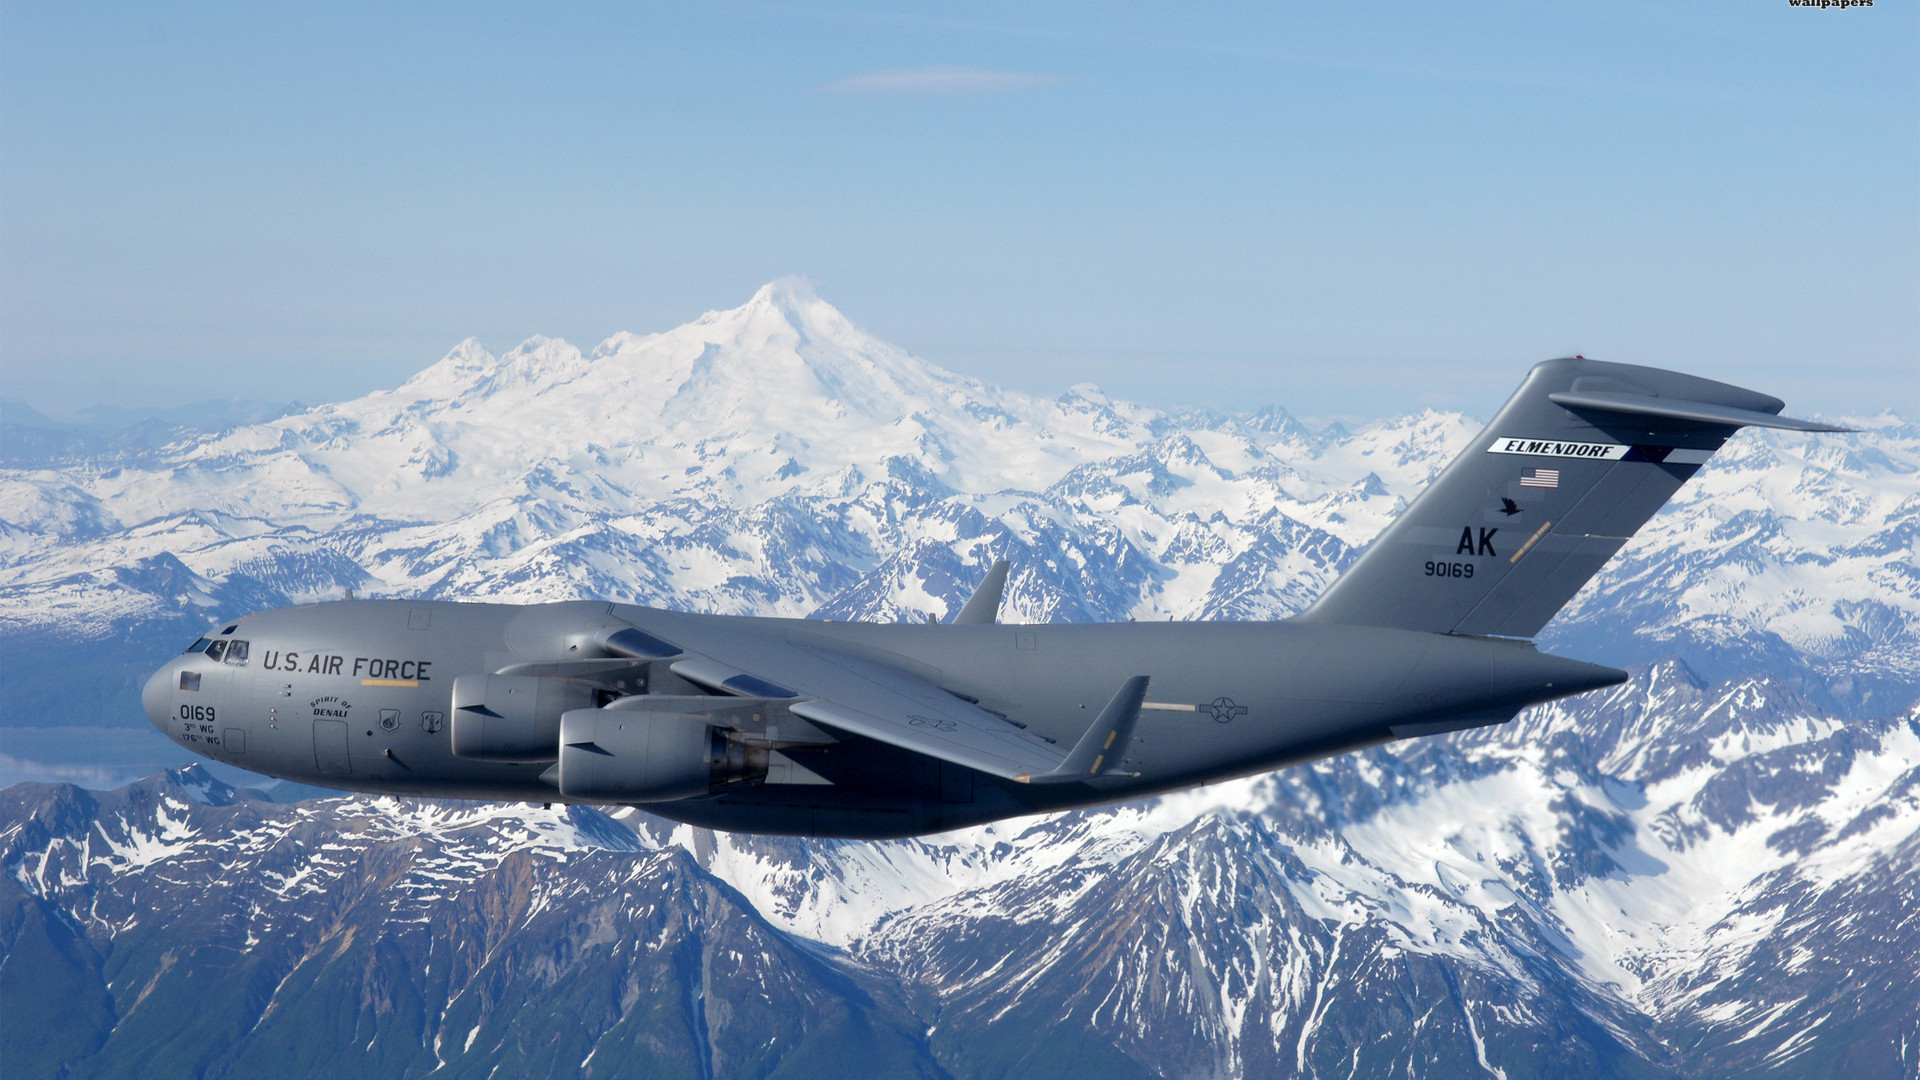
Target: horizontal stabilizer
<point>1698,412</point>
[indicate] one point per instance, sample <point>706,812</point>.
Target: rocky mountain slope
<point>1668,879</point>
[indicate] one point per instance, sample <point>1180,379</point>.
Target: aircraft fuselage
<point>360,695</point>
<point>871,730</point>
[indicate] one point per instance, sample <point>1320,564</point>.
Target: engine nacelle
<point>513,717</point>
<point>618,756</point>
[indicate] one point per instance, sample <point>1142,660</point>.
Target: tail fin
<point>1577,460</point>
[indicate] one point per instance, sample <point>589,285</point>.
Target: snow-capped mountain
<point>776,459</point>
<point>1710,870</point>
<point>1668,879</point>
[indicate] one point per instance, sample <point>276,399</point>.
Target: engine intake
<point>648,757</point>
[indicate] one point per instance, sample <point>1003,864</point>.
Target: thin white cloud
<point>939,81</point>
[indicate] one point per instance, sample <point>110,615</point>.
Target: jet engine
<point>513,717</point>
<point>624,756</point>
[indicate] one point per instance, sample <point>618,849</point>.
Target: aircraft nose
<point>156,696</point>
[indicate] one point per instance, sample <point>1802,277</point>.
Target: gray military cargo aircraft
<point>822,728</point>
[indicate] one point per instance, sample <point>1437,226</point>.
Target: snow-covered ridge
<point>777,459</point>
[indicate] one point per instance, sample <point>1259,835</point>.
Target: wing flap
<point>973,747</point>
<point>864,697</point>
<point>901,710</point>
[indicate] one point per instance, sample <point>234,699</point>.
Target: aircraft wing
<point>864,697</point>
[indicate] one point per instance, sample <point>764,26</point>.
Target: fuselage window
<point>237,653</point>
<point>216,649</point>
<point>189,680</point>
<point>200,646</point>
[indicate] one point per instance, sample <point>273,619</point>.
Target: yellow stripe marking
<point>389,682</point>
<point>1531,540</point>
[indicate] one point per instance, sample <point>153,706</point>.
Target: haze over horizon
<point>1343,213</point>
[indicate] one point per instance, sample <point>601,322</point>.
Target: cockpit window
<point>216,649</point>
<point>200,646</point>
<point>237,653</point>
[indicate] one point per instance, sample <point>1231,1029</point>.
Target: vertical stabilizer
<point>1577,460</point>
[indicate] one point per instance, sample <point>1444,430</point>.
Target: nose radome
<point>157,696</point>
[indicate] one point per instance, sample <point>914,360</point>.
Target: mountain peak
<point>788,303</point>
<point>791,292</point>
<point>463,366</point>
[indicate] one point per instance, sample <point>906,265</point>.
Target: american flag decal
<point>1540,478</point>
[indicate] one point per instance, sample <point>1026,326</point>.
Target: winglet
<point>1106,741</point>
<point>984,605</point>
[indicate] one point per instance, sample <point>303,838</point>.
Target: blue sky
<point>1348,212</point>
